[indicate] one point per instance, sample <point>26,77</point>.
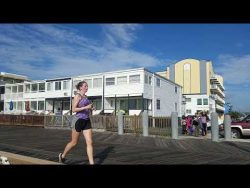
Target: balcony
<point>219,108</point>
<point>214,80</point>
<point>218,99</point>
<point>215,88</point>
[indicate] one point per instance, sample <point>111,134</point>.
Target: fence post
<point>145,123</point>
<point>214,127</point>
<point>227,128</point>
<point>174,125</point>
<point>120,123</point>
<point>62,120</point>
<point>44,123</point>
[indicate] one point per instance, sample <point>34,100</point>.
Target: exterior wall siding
<point>167,96</point>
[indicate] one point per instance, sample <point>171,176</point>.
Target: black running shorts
<point>82,124</point>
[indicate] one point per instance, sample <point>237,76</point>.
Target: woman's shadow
<point>103,154</point>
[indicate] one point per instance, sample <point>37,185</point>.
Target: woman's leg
<point>72,143</point>
<point>88,138</point>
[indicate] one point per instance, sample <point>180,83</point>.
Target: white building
<point>132,91</point>
<point>8,78</point>
<point>38,96</point>
<point>26,97</point>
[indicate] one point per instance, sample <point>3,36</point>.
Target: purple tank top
<point>84,114</point>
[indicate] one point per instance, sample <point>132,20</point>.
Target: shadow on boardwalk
<point>103,154</point>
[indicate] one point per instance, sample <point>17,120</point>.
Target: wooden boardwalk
<point>110,148</point>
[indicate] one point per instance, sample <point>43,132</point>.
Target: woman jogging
<point>81,122</point>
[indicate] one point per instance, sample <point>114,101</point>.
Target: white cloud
<point>239,98</point>
<point>121,34</point>
<point>235,71</point>
<point>47,51</point>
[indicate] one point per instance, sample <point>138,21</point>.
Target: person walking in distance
<point>204,120</point>
<point>81,122</point>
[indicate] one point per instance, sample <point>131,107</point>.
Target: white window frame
<point>97,82</point>
<point>110,81</point>
<point>158,82</point>
<point>60,84</point>
<point>133,79</point>
<point>122,80</point>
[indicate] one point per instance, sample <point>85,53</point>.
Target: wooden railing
<point>132,124</point>
<point>108,123</point>
<point>28,120</point>
<point>159,126</point>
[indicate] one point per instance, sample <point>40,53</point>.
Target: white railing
<point>216,87</point>
<point>218,98</point>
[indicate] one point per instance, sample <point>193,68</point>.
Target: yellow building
<point>202,88</point>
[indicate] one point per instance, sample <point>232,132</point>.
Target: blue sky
<point>58,50</point>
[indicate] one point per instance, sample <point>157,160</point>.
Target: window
<point>41,87</point>
<point>19,105</point>
<point>135,104</point>
<point>150,80</point>
<point>49,86</point>
<point>97,82</point>
<point>147,104</point>
<point>14,89</point>
<point>14,105</point>
<point>112,104</point>
<point>199,101</point>
<point>20,88</point>
<point>33,87</point>
<point>175,106</point>
<point>132,104</point>
<point>2,90</point>
<point>122,80</point>
<point>134,78</point>
<point>205,101</point>
<point>49,105</point>
<point>58,85</point>
<point>89,82</point>
<point>139,104</point>
<point>175,89</point>
<point>158,82</point>
<point>187,66</point>
<point>188,111</point>
<point>124,104</point>
<point>110,81</point>
<point>146,79</point>
<point>66,105</point>
<point>188,99</point>
<point>40,105</point>
<point>33,105</point>
<point>66,84</point>
<point>97,104</point>
<point>8,89</point>
<point>158,104</point>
